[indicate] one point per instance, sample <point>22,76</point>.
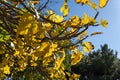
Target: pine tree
<point>102,64</point>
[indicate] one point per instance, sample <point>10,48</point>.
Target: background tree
<point>102,64</point>
<point>34,39</point>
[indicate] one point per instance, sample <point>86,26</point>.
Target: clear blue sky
<point>111,13</point>
<point>111,35</point>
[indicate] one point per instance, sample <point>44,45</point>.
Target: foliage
<point>102,64</point>
<point>34,39</point>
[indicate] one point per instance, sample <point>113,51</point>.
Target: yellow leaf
<point>33,64</point>
<point>82,1</point>
<point>16,53</point>
<point>64,9</point>
<point>88,47</point>
<point>77,1</point>
<point>48,25</point>
<point>42,50</point>
<point>76,57</point>
<point>58,19</point>
<point>22,65</point>
<point>51,49</point>
<point>36,2</point>
<point>27,18</point>
<point>6,69</point>
<point>59,61</point>
<point>85,19</point>
<point>68,74</point>
<point>25,23</point>
<point>72,30</point>
<point>75,76</point>
<point>96,33</point>
<point>83,35</point>
<point>54,17</point>
<point>93,5</point>
<point>50,12</point>
<point>104,23</point>
<point>67,24</point>
<point>88,20</point>
<point>102,3</point>
<point>34,58</point>
<point>47,60</point>
<point>11,63</point>
<point>41,32</point>
<point>75,21</point>
<point>24,32</point>
<point>35,27</point>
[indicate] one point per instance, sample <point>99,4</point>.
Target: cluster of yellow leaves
<point>102,3</point>
<point>22,57</point>
<point>57,74</point>
<point>29,28</point>
<point>27,24</point>
<point>88,20</point>
<point>92,4</point>
<point>54,17</point>
<point>5,66</point>
<point>75,21</point>
<point>35,46</point>
<point>4,70</point>
<point>76,57</point>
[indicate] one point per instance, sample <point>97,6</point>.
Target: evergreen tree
<point>102,64</point>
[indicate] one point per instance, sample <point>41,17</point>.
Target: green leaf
<point>4,36</point>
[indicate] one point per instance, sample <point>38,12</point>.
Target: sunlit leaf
<point>93,5</point>
<point>77,1</point>
<point>6,69</point>
<point>83,35</point>
<point>58,18</point>
<point>96,33</point>
<point>36,2</point>
<point>104,23</point>
<point>67,24</point>
<point>76,57</point>
<point>88,47</point>
<point>102,3</point>
<point>75,76</point>
<point>64,9</point>
<point>59,61</point>
<point>75,21</point>
<point>88,20</point>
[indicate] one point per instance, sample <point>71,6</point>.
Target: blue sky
<point>111,34</point>
<point>111,13</point>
